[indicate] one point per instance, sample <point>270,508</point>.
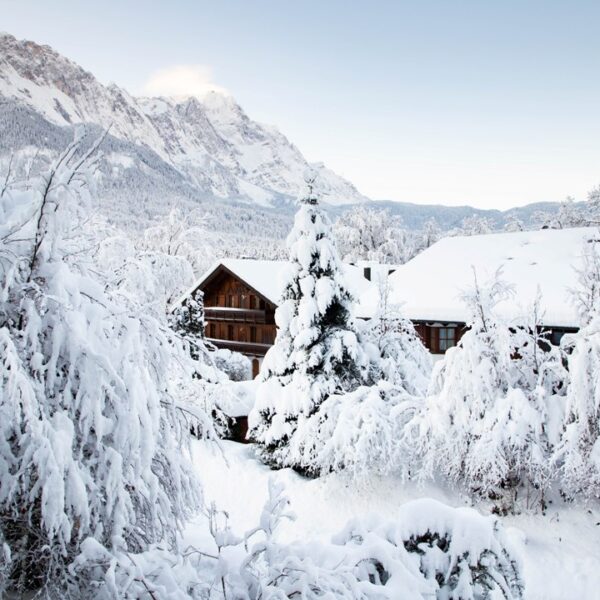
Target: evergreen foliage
<point>317,352</point>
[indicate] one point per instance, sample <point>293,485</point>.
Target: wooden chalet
<point>240,298</point>
<point>238,316</point>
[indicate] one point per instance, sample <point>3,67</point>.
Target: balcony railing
<point>251,348</point>
<point>239,315</point>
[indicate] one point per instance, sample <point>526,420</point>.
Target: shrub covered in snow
<point>142,276</point>
<point>89,398</point>
<point>402,358</point>
<point>364,233</point>
<point>579,450</point>
<point>234,364</point>
<point>459,553</point>
<point>359,432</point>
<point>317,352</point>
<point>494,407</point>
<point>429,551</point>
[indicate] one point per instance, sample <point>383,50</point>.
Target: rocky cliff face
<point>204,148</point>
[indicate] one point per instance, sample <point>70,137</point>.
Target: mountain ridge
<point>163,152</point>
<point>211,141</point>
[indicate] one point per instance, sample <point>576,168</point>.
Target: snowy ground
<point>560,551</point>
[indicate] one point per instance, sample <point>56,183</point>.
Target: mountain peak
<point>210,143</point>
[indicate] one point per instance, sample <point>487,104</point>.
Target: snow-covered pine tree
<point>486,419</point>
<point>317,352</point>
<point>187,319</point>
<point>579,450</point>
<point>89,426</point>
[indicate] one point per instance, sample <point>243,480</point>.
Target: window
<point>556,336</point>
<point>262,305</point>
<point>240,301</point>
<point>367,273</point>
<point>229,300</point>
<point>253,334</point>
<point>447,338</point>
<point>230,332</point>
<point>253,303</point>
<point>212,331</point>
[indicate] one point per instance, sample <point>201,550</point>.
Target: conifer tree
<point>187,319</point>
<point>317,352</point>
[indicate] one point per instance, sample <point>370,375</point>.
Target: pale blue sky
<point>494,104</point>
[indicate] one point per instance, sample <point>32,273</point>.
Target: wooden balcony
<point>250,348</point>
<point>239,315</point>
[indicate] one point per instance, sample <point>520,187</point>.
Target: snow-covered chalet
<point>241,295</point>
<point>429,287</point>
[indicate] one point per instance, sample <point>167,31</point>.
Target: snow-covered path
<point>561,551</point>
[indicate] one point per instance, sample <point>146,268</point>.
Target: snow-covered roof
<point>268,277</point>
<point>429,286</point>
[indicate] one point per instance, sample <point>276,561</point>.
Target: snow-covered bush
<point>475,225</point>
<point>186,319</point>
<point>493,409</point>
<point>317,352</point>
<point>403,359</point>
<point>459,553</point>
<point>579,450</point>
<point>367,234</point>
<point>90,398</point>
<point>151,283</point>
<point>234,364</point>
<point>428,551</point>
<point>152,279</point>
<point>180,234</point>
<point>359,432</point>
<point>157,573</point>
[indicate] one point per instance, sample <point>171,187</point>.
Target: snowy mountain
<point>163,152</point>
<point>161,147</point>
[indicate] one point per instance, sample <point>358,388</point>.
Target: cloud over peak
<point>182,80</point>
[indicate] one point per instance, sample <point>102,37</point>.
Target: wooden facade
<point>237,316</point>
